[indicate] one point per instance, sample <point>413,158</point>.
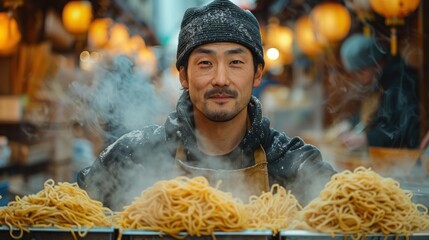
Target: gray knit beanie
<point>219,21</point>
<point>359,51</point>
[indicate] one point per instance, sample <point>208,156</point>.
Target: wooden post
<point>423,29</point>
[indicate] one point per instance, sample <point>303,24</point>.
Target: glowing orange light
<point>136,43</point>
<point>146,58</point>
<point>331,21</point>
<point>394,11</point>
<point>305,37</point>
<point>394,8</point>
<point>77,16</point>
<point>98,33</point>
<point>9,34</point>
<point>281,38</point>
<point>119,36</point>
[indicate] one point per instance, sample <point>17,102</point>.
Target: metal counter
<point>309,235</point>
<point>419,186</point>
<point>113,234</point>
<point>51,233</point>
<point>246,234</point>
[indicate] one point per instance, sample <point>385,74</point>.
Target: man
<point>217,130</point>
<point>389,114</point>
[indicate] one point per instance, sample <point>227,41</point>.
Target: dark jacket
<point>138,159</point>
<point>396,122</point>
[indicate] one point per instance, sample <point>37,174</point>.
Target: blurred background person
<point>389,112</point>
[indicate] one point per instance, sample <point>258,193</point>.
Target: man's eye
<point>236,62</point>
<point>204,63</point>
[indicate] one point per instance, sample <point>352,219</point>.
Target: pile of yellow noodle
<point>64,206</point>
<point>362,202</point>
<point>273,210</point>
<point>184,205</point>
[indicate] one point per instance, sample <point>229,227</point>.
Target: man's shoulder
<point>152,134</point>
<point>133,142</point>
<point>275,136</point>
<point>281,146</point>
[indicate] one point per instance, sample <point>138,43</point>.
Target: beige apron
<point>242,183</point>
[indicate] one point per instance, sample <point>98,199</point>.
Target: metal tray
<point>304,235</point>
<point>245,234</point>
<point>111,233</point>
<point>419,186</point>
<point>96,233</point>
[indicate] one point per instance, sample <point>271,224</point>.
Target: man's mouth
<point>220,93</point>
<point>220,98</point>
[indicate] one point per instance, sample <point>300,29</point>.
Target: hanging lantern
<point>394,12</point>
<point>77,16</point>
<point>135,43</point>
<point>285,44</point>
<point>146,59</point>
<point>9,34</point>
<point>363,11</point>
<point>273,61</point>
<point>119,37</point>
<point>331,21</point>
<point>272,31</point>
<point>306,38</point>
<point>98,32</point>
<point>281,38</point>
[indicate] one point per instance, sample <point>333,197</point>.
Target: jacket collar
<point>180,124</point>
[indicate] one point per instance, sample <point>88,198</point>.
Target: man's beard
<point>220,115</point>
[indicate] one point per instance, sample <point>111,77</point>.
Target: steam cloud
<point>112,99</point>
<point>118,99</point>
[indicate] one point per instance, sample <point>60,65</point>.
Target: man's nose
<point>221,78</point>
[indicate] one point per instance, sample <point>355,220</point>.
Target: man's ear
<point>257,79</point>
<point>183,77</point>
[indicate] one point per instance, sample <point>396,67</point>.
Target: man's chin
<point>219,116</point>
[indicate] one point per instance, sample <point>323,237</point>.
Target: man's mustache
<point>220,91</point>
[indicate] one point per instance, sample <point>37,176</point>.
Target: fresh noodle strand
<point>363,202</point>
<point>184,205</point>
<point>62,205</point>
<point>191,205</point>
<point>273,210</point>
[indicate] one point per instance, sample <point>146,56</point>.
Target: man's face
<point>220,78</point>
<point>367,76</point>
